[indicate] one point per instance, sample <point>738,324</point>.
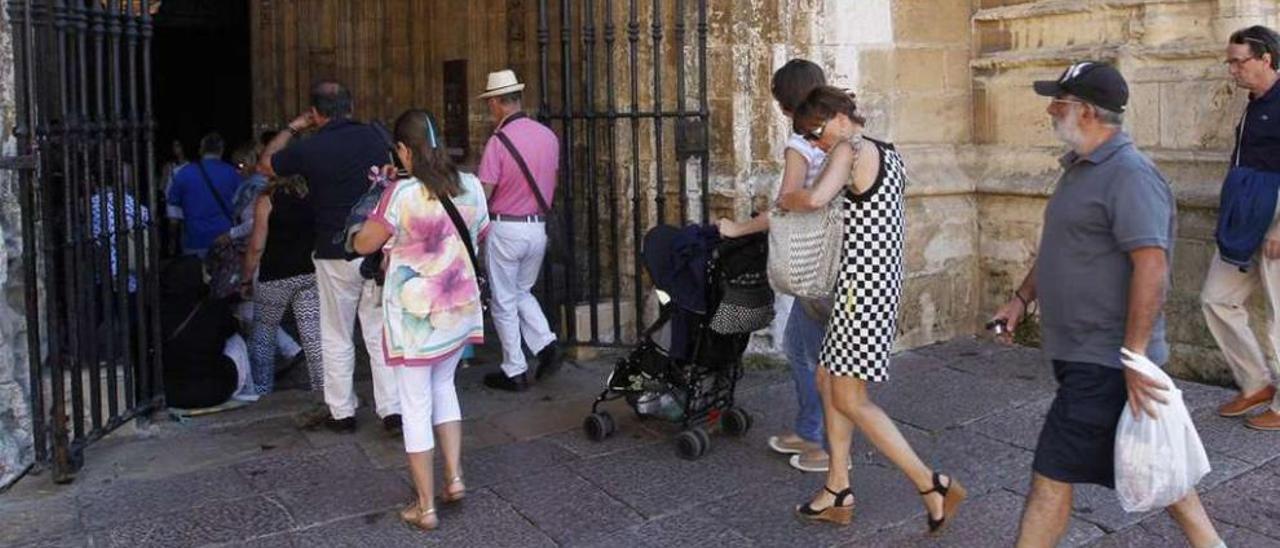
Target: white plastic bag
<point>1158,461</point>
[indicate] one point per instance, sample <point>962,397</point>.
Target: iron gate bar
<point>637,196</point>
<point>26,165</point>
<point>680,103</point>
<point>83,347</point>
<point>704,112</point>
<point>593,214</point>
<point>656,27</point>
<point>118,248</point>
<point>609,36</point>
<point>569,306</point>
<point>151,268</point>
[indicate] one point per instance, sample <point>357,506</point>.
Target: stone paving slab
<point>216,522</point>
<point>765,514</point>
<point>1160,531</point>
<point>304,468</point>
<point>945,398</point>
<point>1251,500</point>
<point>579,511</point>
<point>502,463</point>
<point>985,521</point>
<point>653,481</point>
<point>695,530</point>
<point>374,491</point>
<point>41,518</point>
<point>126,500</point>
<point>1229,435</point>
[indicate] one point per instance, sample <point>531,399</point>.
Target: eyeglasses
<point>1236,62</point>
<point>816,133</point>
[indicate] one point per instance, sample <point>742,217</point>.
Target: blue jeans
<point>801,342</point>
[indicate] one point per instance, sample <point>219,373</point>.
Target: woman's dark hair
<point>1261,40</point>
<point>793,82</point>
<point>418,130</point>
<point>822,104</point>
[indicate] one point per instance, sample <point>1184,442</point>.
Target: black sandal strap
<point>847,492</point>
<point>938,487</point>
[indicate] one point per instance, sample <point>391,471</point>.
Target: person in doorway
<point>804,322</point>
<point>252,184</point>
<point>335,161</point>
<point>869,178</point>
<point>430,223</point>
<point>1253,57</point>
<point>200,197</point>
<point>279,255</point>
<point>1101,275</point>
<point>515,250</point>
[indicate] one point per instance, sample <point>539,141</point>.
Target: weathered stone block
<point>1196,115</point>
<point>933,118</point>
<point>920,70</point>
<point>931,21</point>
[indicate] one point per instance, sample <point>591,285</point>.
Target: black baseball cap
<point>1097,83</point>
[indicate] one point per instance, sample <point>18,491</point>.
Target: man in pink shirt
<point>517,239</point>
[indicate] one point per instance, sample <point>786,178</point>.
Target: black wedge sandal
<point>838,512</point>
<point>952,495</point>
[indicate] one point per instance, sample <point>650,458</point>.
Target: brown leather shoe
<point>1267,421</point>
<point>1243,404</point>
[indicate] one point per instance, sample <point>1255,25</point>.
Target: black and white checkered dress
<point>864,319</point>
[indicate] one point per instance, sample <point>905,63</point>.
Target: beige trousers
<point>1222,300</point>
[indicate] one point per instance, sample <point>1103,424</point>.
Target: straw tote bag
<point>805,247</point>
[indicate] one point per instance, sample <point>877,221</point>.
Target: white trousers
<point>427,398</point>
<point>513,255</point>
<point>1222,300</point>
<point>343,295</point>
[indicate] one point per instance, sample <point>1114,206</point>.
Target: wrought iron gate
<point>627,134</point>
<point>89,198</point>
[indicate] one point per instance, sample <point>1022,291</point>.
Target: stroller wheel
<point>692,444</point>
<point>598,426</point>
<point>736,422</point>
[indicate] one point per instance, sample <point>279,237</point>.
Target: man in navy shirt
<point>1253,57</point>
<point>192,200</point>
<point>335,160</point>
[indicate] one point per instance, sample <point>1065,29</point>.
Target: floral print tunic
<point>430,302</point>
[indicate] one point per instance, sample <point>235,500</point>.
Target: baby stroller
<point>712,294</point>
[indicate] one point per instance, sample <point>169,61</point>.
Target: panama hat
<point>501,83</point>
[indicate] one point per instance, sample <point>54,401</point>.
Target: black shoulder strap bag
<point>208,183</point>
<point>463,232</point>
<point>555,236</point>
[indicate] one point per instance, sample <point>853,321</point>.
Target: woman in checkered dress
<point>869,179</point>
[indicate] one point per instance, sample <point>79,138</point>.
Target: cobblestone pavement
<point>249,477</point>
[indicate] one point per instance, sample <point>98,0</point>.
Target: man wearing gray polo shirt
<point>1100,275</point>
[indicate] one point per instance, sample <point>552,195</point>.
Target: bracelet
<point>291,130</point>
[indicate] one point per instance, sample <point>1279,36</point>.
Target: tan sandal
<point>423,519</point>
<point>448,496</point>
<point>952,495</point>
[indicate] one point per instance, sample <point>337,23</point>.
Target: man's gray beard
<point>1068,131</point>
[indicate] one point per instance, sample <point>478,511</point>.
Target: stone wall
<point>908,62</point>
<point>16,450</point>
<point>1183,109</point>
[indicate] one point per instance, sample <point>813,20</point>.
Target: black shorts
<point>1077,443</point>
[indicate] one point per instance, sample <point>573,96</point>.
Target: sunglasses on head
<point>816,133</point>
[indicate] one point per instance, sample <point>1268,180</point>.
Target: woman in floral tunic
<point>431,301</point>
